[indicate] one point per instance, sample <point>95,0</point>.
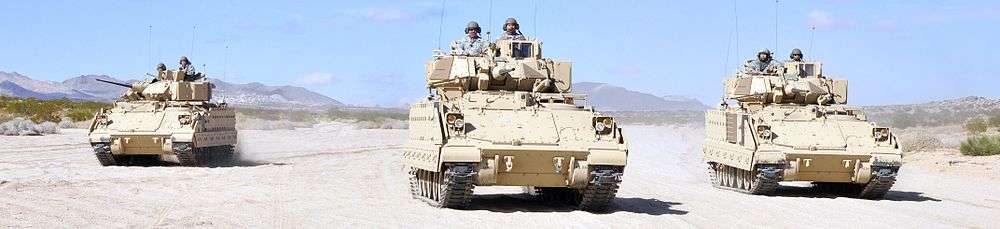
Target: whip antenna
<point>225,69</point>
<point>812,35</point>
<point>489,32</point>
<point>776,25</point>
<point>441,24</point>
<point>149,48</point>
<point>192,40</point>
<point>535,18</point>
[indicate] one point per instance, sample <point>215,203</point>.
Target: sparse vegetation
<point>903,121</point>
<point>40,111</point>
<point>994,121</point>
<point>981,146</point>
<point>22,127</point>
<point>919,142</point>
<point>976,126</point>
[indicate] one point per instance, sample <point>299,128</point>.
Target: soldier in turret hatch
<point>796,55</point>
<point>472,44</point>
<point>511,31</point>
<point>762,64</point>
<point>190,74</point>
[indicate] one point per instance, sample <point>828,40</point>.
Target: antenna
<point>535,18</point>
<point>489,32</point>
<point>225,68</point>
<point>149,48</point>
<point>192,40</point>
<point>812,35</point>
<point>775,25</point>
<point>736,16</point>
<point>441,24</point>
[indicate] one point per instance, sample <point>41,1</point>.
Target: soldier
<point>472,44</point>
<point>763,63</point>
<point>796,55</point>
<point>187,68</point>
<point>511,31</point>
<point>161,67</point>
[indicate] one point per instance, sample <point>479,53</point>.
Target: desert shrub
<point>994,121</point>
<point>981,146</point>
<point>919,142</point>
<point>67,123</point>
<point>976,126</point>
<point>903,121</point>
<point>49,110</point>
<point>22,127</point>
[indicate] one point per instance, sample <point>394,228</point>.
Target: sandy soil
<point>338,176</point>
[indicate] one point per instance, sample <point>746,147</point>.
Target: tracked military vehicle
<point>166,118</point>
<point>507,118</point>
<point>791,123</point>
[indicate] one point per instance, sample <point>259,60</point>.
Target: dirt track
<point>335,175</point>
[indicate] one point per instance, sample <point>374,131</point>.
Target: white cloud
<point>821,19</point>
<point>316,79</point>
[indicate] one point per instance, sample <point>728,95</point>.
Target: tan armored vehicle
<point>792,124</point>
<point>507,119</point>
<point>166,118</point>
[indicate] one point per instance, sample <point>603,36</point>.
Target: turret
<point>167,86</point>
<point>795,83</point>
<point>510,65</point>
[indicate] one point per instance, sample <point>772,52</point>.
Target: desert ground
<point>336,175</point>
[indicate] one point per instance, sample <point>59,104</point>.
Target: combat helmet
<point>472,25</point>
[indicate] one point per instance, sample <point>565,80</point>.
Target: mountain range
<point>607,97</point>
<point>86,87</point>
<point>603,96</point>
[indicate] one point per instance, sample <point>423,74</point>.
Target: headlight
<point>603,125</point>
<point>764,132</point>
<point>455,120</point>
<point>184,119</point>
<point>880,134</point>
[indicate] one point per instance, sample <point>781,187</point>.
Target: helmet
<point>472,25</point>
<point>161,67</point>
<point>764,51</point>
<point>795,52</point>
<point>511,20</point>
<point>185,59</point>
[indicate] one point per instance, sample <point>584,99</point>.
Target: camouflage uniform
<point>757,65</point>
<point>469,45</point>
<point>190,73</point>
<point>513,34</point>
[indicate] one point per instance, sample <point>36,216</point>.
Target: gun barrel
<point>115,83</point>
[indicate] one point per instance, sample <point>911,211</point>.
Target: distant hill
<point>607,97</point>
<point>935,113</point>
<point>17,85</point>
<point>259,95</point>
<point>85,87</point>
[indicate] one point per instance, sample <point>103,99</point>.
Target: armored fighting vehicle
<point>791,123</point>
<point>166,118</point>
<point>507,118</point>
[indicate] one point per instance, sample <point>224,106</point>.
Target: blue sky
<point>372,52</point>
